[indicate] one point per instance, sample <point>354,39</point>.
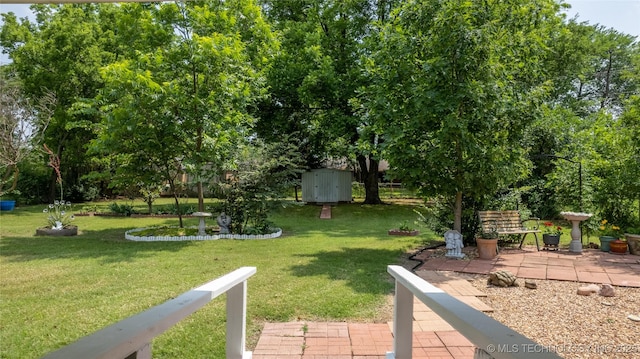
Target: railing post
<point>131,337</point>
<point>236,322</point>
<point>142,353</point>
<point>403,322</point>
<point>483,331</point>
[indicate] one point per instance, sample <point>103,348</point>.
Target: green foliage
<point>34,180</point>
<point>125,209</point>
<point>490,232</point>
<point>183,106</point>
<point>58,214</point>
<point>183,209</point>
<point>454,85</point>
<point>551,228</point>
<point>438,216</point>
<point>61,54</point>
<point>609,229</point>
<point>262,176</point>
<point>405,226</point>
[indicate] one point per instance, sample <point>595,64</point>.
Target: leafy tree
<point>594,73</point>
<point>315,79</point>
<point>60,53</point>
<point>22,123</point>
<point>183,107</point>
<point>262,173</point>
<point>455,84</point>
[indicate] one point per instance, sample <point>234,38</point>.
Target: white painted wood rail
<point>492,338</point>
<point>131,338</point>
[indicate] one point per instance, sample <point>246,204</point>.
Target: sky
<point>622,15</point>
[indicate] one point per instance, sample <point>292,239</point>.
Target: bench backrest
<point>504,221</point>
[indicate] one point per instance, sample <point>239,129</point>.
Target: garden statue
<point>224,221</point>
<point>453,240</point>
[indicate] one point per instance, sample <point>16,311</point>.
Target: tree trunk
<point>200,197</point>
<point>457,212</point>
<point>370,179</point>
<point>607,82</point>
<point>172,185</point>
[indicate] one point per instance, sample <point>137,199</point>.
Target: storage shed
<point>326,185</point>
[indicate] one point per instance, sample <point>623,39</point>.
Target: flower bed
<point>131,235</point>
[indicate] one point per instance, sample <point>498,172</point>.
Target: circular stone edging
<point>129,235</point>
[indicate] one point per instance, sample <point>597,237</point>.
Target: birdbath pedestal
<point>576,234</point>
<point>201,225</point>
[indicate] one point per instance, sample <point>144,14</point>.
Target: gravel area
<point>572,325</point>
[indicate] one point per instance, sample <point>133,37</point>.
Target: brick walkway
<point>432,336</point>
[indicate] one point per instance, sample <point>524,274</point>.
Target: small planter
<point>618,246</point>
<point>397,232</point>
<point>551,240</point>
<point>604,243</point>
<point>7,205</point>
<point>64,232</point>
<point>633,241</point>
<point>487,248</point>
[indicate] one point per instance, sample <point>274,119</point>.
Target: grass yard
<point>56,290</point>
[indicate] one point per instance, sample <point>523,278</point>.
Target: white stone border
<point>129,235</point>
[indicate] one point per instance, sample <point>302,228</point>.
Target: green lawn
<point>56,290</point>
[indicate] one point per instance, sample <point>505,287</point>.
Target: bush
<point>125,209</point>
<point>173,209</point>
<point>82,192</point>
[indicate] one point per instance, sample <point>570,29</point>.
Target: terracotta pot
<point>618,246</point>
<point>487,248</point>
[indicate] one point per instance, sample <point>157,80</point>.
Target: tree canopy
<point>468,101</point>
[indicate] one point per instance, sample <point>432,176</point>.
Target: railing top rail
<point>121,339</point>
<point>482,330</point>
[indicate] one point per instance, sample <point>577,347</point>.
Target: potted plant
<point>59,220</point>
<point>487,242</point>
<point>551,234</point>
<point>608,233</point>
<point>57,217</point>
<point>632,235</point>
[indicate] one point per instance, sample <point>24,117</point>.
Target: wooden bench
<point>508,223</point>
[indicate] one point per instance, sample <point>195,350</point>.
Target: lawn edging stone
<point>130,235</point>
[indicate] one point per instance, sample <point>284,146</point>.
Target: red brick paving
<point>314,340</point>
<point>590,266</point>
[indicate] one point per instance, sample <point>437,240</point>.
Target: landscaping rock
<point>589,289</point>
<point>502,278</point>
<point>607,290</point>
<point>530,284</point>
<point>635,318</point>
<point>584,291</point>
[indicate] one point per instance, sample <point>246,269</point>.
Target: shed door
<point>326,187</point>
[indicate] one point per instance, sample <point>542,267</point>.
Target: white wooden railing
<point>491,338</point>
<point>131,338</point>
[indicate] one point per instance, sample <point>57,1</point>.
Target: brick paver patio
<point>433,337</point>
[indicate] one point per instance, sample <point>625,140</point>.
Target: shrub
<point>125,209</point>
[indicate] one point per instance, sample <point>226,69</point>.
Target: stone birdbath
<point>201,225</point>
<point>576,234</point>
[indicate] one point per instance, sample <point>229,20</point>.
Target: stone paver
<point>433,337</point>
